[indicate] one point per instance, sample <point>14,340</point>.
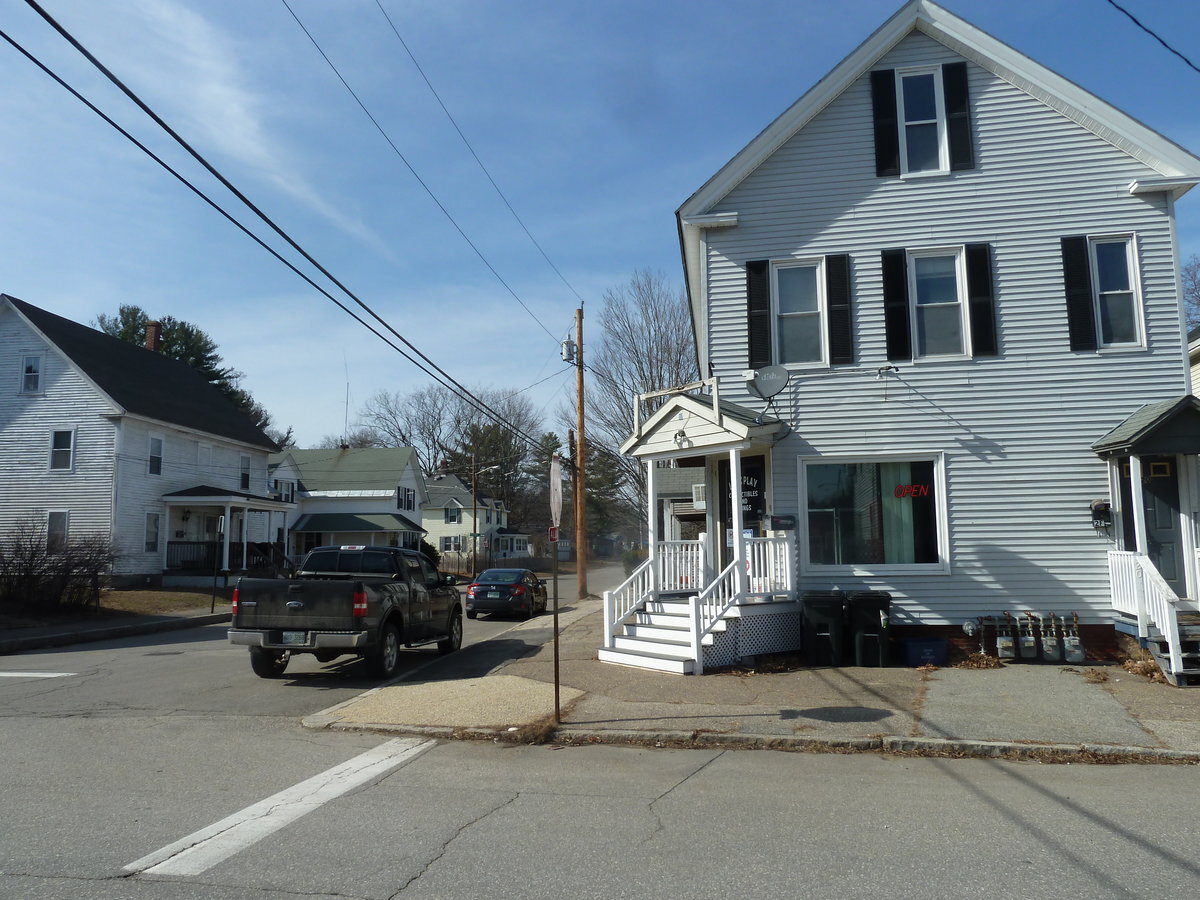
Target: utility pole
<point>580,466</point>
<point>474,516</point>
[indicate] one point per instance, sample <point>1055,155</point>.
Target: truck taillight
<point>233,606</point>
<point>360,603</point>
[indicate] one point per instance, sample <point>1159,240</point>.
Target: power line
<point>1148,31</point>
<point>463,391</point>
<point>413,171</point>
<point>453,122</point>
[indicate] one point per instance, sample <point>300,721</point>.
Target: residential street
<point>149,740</point>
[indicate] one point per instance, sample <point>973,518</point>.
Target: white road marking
<point>36,674</point>
<point>203,849</point>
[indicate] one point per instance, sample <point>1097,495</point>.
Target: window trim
<point>66,531</point>
<point>940,120</point>
<point>958,251</point>
<point>821,314</point>
<point>1129,238</point>
<point>452,515</point>
<point>74,444</point>
<point>150,457</point>
<point>942,508</point>
<point>21,374</point>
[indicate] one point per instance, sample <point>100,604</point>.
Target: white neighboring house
<point>451,518</point>
<point>102,437</point>
<point>966,268</point>
<point>370,496</point>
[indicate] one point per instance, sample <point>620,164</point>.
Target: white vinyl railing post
<point>652,525</point>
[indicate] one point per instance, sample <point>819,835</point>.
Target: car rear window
<point>501,576</point>
<point>322,561</point>
<point>377,564</point>
<point>353,561</point>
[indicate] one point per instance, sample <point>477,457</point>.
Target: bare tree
<point>356,439</point>
<point>645,343</point>
<point>1191,290</point>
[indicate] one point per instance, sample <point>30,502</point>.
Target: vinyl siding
<point>67,401</point>
<point>1015,430</point>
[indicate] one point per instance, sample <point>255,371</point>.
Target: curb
<point>67,638</point>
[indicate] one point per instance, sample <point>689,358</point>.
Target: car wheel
<point>471,614</point>
<point>454,641</point>
<point>533,610</point>
<point>384,661</point>
<point>269,663</point>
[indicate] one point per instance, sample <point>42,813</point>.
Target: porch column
<point>652,525</point>
<point>735,515</point>
<point>1139,504</point>
<point>245,536</point>
<point>225,538</point>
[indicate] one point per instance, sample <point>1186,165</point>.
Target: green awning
<point>341,522</point>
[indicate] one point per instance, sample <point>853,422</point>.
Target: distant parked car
<point>507,591</point>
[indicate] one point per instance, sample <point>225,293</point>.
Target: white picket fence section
<point>681,566</point>
<point>1139,590</point>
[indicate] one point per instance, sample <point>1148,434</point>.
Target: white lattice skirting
<point>752,635</point>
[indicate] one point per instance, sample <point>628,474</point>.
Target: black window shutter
<point>837,295</point>
<point>981,298</point>
<point>958,116</point>
<point>895,304</point>
<point>758,312</point>
<point>887,136</point>
<point>1077,276</point>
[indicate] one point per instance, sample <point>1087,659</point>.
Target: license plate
<point>295,637</point>
<point>494,594</point>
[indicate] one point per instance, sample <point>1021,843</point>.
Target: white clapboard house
<point>958,271</point>
<point>102,437</point>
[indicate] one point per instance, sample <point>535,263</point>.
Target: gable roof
<point>354,469</point>
<point>1179,169</point>
<point>141,382</point>
<point>447,489</point>
<point>736,423</point>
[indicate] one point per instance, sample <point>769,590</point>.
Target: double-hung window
<point>452,515</point>
<point>31,374</point>
<point>156,456</point>
<point>797,289</point>
<point>153,521</point>
<point>1104,306</point>
<point>406,498</point>
<point>922,120</point>
<point>244,465</point>
<point>57,530</point>
<point>451,543</point>
<point>939,302</point>
<point>62,451</point>
<point>883,514</point>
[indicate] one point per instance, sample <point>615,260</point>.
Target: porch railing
<point>624,600</point>
<point>709,607</point>
<point>681,565</point>
<point>1139,590</point>
<point>769,564</point>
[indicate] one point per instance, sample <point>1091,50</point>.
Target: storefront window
<point>872,513</point>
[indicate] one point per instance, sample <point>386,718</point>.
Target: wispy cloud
<point>196,68</point>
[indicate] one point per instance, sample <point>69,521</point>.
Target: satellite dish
<point>769,381</point>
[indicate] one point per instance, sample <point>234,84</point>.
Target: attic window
<point>31,375</point>
<point>921,109</point>
<point>922,120</point>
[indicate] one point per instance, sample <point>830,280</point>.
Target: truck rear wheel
<point>384,660</point>
<point>269,663</point>
<point>454,640</point>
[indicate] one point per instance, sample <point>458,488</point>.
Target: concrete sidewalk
<point>1023,711</point>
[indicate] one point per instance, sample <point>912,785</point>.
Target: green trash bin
<point>824,627</point>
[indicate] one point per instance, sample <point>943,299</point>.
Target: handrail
<point>709,606</point>
<point>624,600</point>
<point>1154,602</point>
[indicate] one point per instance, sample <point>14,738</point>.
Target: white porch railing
<point>1139,590</point>
<point>681,565</point>
<point>625,599</point>
<point>769,565</point>
<point>709,607</point>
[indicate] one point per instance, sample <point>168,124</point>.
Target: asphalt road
<point>118,764</point>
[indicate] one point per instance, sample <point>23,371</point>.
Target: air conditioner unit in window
<point>698,501</point>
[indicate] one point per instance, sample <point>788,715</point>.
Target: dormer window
<point>922,120</point>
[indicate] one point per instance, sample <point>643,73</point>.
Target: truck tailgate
<point>310,605</point>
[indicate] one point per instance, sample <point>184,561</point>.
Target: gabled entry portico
<point>667,614</point>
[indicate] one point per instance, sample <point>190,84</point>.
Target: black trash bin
<point>824,627</point>
<point>868,612</point>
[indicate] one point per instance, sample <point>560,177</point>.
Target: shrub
<point>34,575</point>
<point>631,559</point>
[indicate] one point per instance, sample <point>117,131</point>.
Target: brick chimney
<point>154,336</point>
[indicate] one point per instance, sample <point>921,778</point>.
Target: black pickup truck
<point>369,601</point>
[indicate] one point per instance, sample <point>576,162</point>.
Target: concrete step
<point>643,660</point>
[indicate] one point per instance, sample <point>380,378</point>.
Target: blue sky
<point>597,119</point>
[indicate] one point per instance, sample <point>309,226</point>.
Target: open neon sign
<point>911,490</point>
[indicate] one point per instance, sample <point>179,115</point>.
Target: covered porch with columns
<point>677,610</point>
<point>214,531</point>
